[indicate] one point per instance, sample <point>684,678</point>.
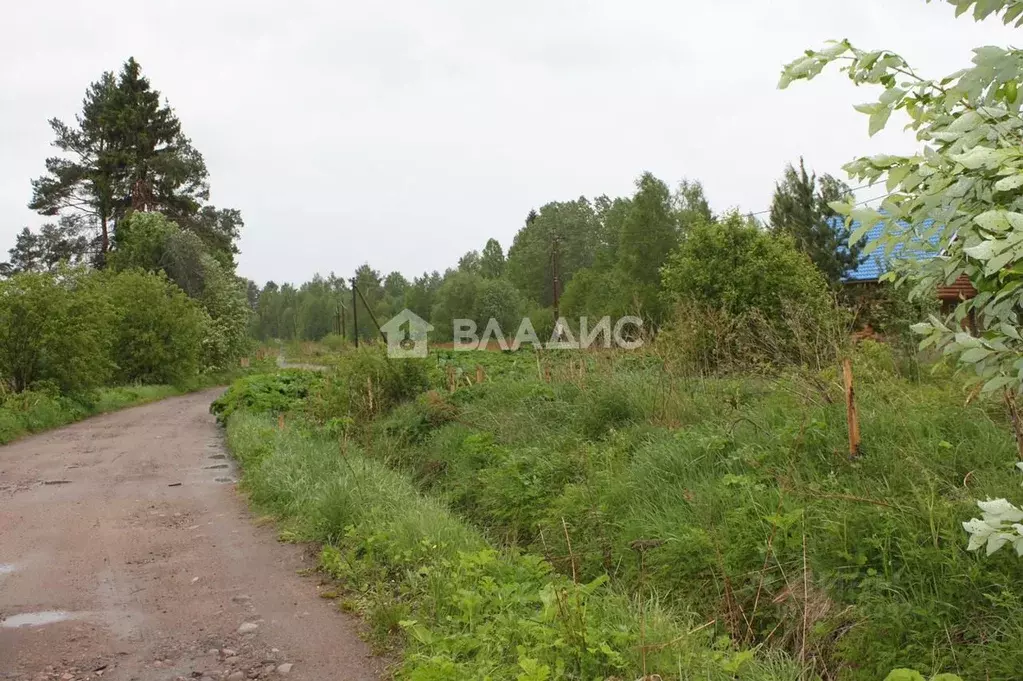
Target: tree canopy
<point>802,209</point>
<point>126,152</point>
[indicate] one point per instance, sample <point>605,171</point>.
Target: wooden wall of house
<point>951,295</point>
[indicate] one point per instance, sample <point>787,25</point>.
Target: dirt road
<point>126,553</point>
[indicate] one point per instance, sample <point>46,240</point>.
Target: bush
<point>56,327</point>
<point>334,342</point>
<point>733,265</point>
<point>708,340</point>
<point>410,424</point>
<point>158,332</point>
<point>735,287</point>
<point>266,393</point>
<point>153,243</point>
<point>366,382</point>
<point>225,336</point>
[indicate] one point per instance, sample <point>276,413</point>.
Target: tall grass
<point>750,509</point>
<point>34,411</point>
<point>461,609</point>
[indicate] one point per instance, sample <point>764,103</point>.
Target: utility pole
<point>355,313</point>
<point>557,280</point>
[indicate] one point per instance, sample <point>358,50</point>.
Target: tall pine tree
<point>82,181</point>
<point>126,152</point>
<point>800,208</point>
<point>158,166</point>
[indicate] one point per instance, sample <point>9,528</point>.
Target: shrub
<point>56,327</point>
<point>225,336</point>
<point>266,393</point>
<point>366,382</point>
<point>152,242</point>
<point>158,332</point>
<point>712,339</point>
<point>410,424</point>
<point>334,342</point>
<point>735,286</point>
<point>733,265</point>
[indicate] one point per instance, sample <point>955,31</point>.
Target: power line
<point>853,189</point>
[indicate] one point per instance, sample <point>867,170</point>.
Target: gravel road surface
<point>126,553</point>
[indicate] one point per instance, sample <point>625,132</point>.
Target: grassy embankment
<point>623,516</point>
<point>35,411</point>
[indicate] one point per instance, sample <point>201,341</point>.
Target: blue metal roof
<point>875,264</point>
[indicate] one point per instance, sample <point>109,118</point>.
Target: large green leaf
<point>904,675</point>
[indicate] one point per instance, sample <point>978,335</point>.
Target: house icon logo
<point>406,335</point>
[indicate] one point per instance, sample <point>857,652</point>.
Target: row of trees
<point>134,280</point>
<point>605,256</point>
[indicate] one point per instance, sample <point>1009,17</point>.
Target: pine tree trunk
<point>104,241</point>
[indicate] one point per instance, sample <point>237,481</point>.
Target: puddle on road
<point>37,619</point>
<point>225,480</point>
<point>215,466</point>
<point>218,456</point>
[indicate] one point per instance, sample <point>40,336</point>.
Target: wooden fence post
<point>1017,425</point>
<point>369,391</point>
<point>479,373</point>
<point>850,409</point>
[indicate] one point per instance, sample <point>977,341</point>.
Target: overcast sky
<point>405,133</point>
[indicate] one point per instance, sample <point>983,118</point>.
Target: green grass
<point>757,517</point>
<point>455,605</point>
<point>729,504</point>
<point>33,412</point>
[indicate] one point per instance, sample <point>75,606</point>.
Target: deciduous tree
<point>492,260</point>
<point>960,196</point>
<point>530,265</point>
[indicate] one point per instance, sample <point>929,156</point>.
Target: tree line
<point>129,192</point>
<point>596,257</point>
<point>134,279</point>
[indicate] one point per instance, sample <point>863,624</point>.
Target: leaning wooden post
<point>850,409</point>
<point>451,378</point>
<point>479,373</point>
<point>1017,425</point>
